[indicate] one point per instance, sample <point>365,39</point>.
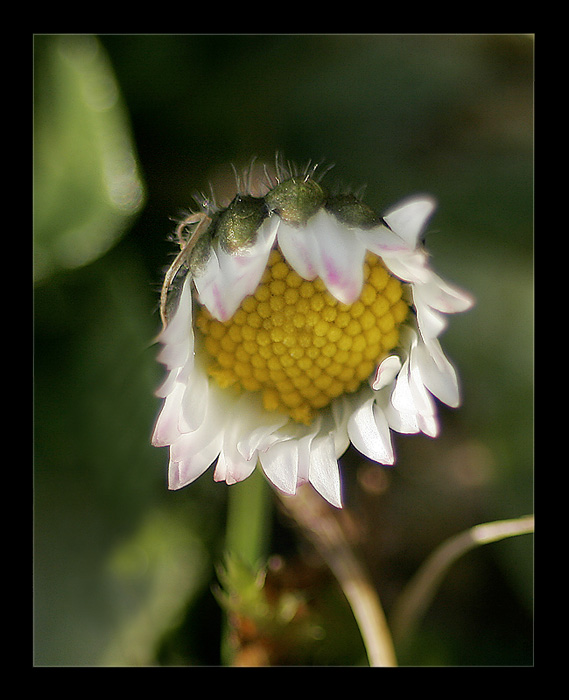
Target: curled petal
<point>304,446</point>
<point>168,384</point>
<point>261,437</point>
<point>190,451</point>
<point>342,409</point>
<point>409,218</point>
<point>386,372</point>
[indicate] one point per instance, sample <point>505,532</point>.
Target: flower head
<point>300,322</point>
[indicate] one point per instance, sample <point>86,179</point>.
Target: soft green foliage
<point>87,185</point>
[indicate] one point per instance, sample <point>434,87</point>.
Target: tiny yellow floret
<point>296,344</point>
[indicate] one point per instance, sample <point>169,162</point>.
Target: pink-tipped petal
<point>299,248</point>
<point>192,464</point>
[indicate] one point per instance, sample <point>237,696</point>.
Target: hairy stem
<point>318,521</point>
<point>419,592</point>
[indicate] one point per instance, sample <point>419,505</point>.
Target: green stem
<point>248,520</point>
<point>246,535</point>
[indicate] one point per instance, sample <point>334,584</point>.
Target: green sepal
<point>202,250</point>
<point>296,200</point>
<point>352,212</point>
<point>236,226</point>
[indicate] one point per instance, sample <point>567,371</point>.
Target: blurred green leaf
<point>152,574</point>
<point>87,185</point>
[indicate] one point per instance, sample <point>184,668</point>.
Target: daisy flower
<point>295,323</point>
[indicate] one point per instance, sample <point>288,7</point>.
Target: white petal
<point>166,430</point>
<point>167,385</point>
<point>251,428</point>
<point>178,336</point>
<point>326,248</point>
<point>248,425</point>
<point>383,241</point>
<point>189,444</point>
<point>444,297</point>
<point>412,402</point>
<point>428,423</point>
<point>181,321</point>
<point>304,445</point>
<point>242,271</point>
<point>409,218</point>
<point>342,409</point>
<point>299,248</point>
<point>214,424</point>
<point>430,323</point>
<point>232,468</point>
<point>324,473</point>
<point>280,464</point>
<point>207,282</point>
<point>229,277</point>
<point>340,256</point>
<point>437,373</point>
<point>409,266</point>
<point>175,354</point>
<point>406,423</point>
<point>386,372</point>
<point>194,403</point>
<point>192,453</point>
<point>407,396</point>
<point>262,436</point>
<point>369,433</point>
<point>227,289</point>
<point>302,436</point>
<point>193,464</point>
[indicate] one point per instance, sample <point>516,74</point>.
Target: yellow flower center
<point>298,345</point>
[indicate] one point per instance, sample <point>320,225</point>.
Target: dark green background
<point>123,568</point>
